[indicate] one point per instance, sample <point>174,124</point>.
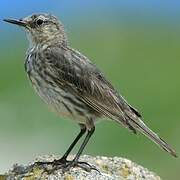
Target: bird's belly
<point>56,100</point>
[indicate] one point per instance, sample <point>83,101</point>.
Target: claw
<point>88,166</point>
<point>65,165</point>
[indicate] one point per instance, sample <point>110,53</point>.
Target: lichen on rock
<point>110,168</point>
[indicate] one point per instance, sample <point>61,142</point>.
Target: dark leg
<point>75,161</point>
<point>83,130</point>
<point>63,159</point>
<point>89,134</point>
<point>64,164</point>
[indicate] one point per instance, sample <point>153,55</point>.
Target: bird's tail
<point>139,125</point>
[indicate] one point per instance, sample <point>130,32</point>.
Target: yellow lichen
<point>36,173</point>
<point>68,177</point>
<point>2,177</point>
<point>125,172</point>
<point>104,167</point>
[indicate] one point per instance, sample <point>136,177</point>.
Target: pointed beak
<point>17,22</point>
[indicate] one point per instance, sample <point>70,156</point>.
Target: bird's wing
<point>76,73</point>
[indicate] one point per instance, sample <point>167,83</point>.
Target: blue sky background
<point>92,13</point>
<point>80,8</point>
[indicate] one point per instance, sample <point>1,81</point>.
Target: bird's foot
<point>64,165</point>
<point>83,165</point>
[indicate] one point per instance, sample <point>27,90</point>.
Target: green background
<point>138,53</point>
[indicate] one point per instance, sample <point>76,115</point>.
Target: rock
<point>115,168</point>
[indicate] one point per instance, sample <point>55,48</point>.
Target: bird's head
<point>42,28</point>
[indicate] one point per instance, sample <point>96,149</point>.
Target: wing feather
<point>83,79</point>
<point>77,75</point>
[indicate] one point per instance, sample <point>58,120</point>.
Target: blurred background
<point>135,43</point>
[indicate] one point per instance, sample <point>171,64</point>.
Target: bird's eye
<point>39,22</point>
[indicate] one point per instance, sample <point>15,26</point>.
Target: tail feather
<point>139,125</point>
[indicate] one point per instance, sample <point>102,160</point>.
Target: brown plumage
<point>73,86</point>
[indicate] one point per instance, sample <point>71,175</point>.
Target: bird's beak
<point>17,22</point>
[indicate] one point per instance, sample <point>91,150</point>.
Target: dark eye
<point>39,22</point>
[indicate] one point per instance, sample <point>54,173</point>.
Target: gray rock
<point>115,168</point>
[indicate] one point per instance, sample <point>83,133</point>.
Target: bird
<point>72,86</point>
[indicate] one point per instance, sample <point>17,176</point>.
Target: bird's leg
<point>63,160</point>
<point>83,130</point>
<point>63,163</point>
<point>75,162</point>
<point>88,136</point>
